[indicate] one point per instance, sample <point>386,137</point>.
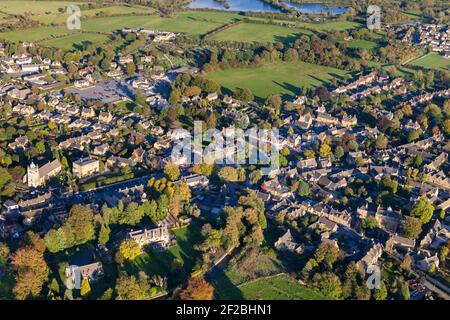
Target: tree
<point>79,228</point>
<point>381,142</point>
<point>5,178</point>
<point>326,253</point>
<point>131,68</point>
<point>228,174</point>
<point>303,189</point>
<point>197,289</point>
<point>32,272</point>
<point>132,214</point>
<point>417,161</point>
<point>412,227</point>
<point>128,288</point>
<point>382,293</point>
<point>4,253</point>
<point>103,236</point>
<point>85,287</point>
<point>255,176</point>
<point>328,284</point>
<point>325,150</point>
<point>130,249</point>
<point>404,290</point>
<point>370,223</point>
<point>244,95</point>
<point>339,152</point>
<point>406,263</point>
<point>172,171</point>
<point>423,209</point>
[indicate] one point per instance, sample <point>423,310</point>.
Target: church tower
<point>33,175</point>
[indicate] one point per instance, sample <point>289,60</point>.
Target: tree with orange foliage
<point>197,289</point>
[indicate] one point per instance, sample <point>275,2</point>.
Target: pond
<point>261,6</point>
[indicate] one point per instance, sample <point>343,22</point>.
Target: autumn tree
<point>32,272</point>
<point>172,171</point>
<point>412,227</point>
<point>130,288</point>
<point>197,289</point>
<point>85,287</point>
<point>130,249</point>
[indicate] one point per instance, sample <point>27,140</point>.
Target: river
<point>261,6</point>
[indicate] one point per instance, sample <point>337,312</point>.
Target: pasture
<point>261,33</point>
<point>72,41</point>
<point>432,61</point>
<point>283,78</point>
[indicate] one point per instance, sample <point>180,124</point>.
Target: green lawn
<point>280,287</point>
<point>70,42</point>
<point>432,61</point>
<point>276,78</point>
<point>253,32</point>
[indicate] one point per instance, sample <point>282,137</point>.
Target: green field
<point>253,32</point>
<point>189,22</point>
<point>361,44</point>
<point>35,9</point>
<point>432,61</point>
<point>35,34</point>
<point>257,32</point>
<point>59,18</point>
<point>280,287</point>
<point>48,12</point>
<point>71,41</point>
<point>276,78</point>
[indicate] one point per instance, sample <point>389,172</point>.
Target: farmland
<point>252,32</point>
<point>71,41</point>
<point>432,61</point>
<point>112,18</point>
<point>257,32</point>
<point>279,77</point>
<point>189,22</point>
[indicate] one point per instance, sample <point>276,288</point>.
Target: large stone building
<point>159,236</point>
<point>85,167</point>
<point>37,177</point>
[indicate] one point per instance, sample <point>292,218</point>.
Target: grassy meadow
<point>276,78</point>
<point>280,287</point>
<point>262,33</point>
<point>432,61</point>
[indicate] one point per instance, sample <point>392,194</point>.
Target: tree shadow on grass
<point>337,76</point>
<point>290,87</point>
<point>289,38</point>
<point>224,289</point>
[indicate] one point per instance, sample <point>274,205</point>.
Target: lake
<point>261,6</point>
